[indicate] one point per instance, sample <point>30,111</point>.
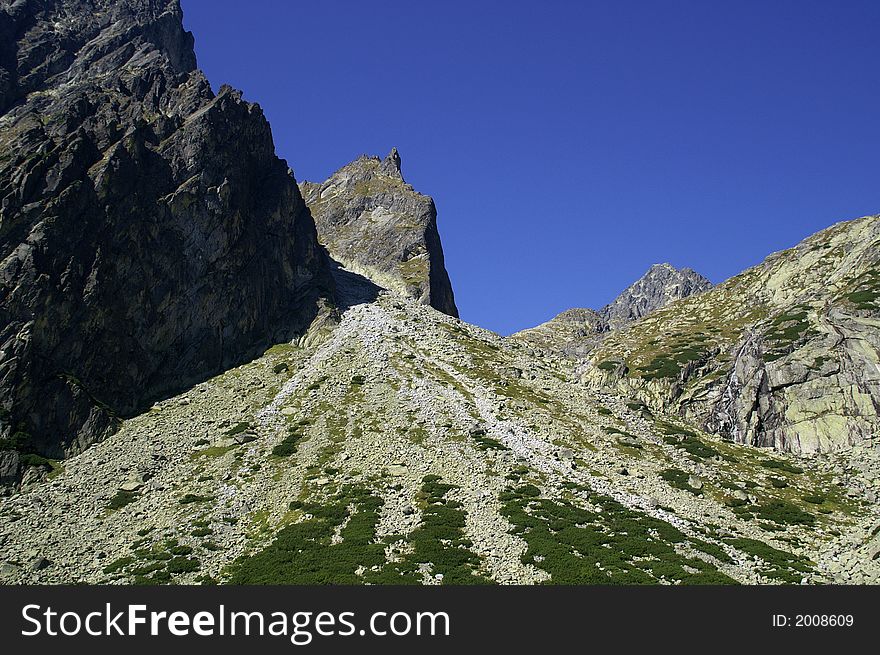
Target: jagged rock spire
<point>379,227</point>
<point>391,164</point>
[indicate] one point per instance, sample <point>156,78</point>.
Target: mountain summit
<point>575,332</point>
<point>376,225</point>
<point>662,284</point>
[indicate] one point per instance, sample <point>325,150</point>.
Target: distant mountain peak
<point>660,285</point>
<point>577,331</point>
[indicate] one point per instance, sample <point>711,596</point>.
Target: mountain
<point>785,355</point>
<point>573,333</point>
<point>376,225</point>
<point>149,235</point>
<point>272,402</point>
<point>576,332</point>
<point>662,284</point>
<point>340,461</point>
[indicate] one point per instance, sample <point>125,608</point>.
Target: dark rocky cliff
<point>149,235</point>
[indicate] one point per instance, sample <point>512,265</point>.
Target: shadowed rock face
<point>375,224</point>
<point>149,236</point>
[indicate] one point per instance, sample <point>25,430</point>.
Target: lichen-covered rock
<point>149,235</point>
<point>9,463</point>
<point>376,225</point>
<point>573,333</point>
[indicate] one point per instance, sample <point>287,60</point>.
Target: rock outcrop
<point>574,333</point>
<point>376,225</point>
<point>785,355</point>
<point>149,235</point>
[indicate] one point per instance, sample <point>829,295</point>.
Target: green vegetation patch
<point>786,331</point>
<point>778,511</point>
<point>213,451</point>
<point>288,446</point>
<point>438,542</point>
<point>157,564</point>
<point>865,291</point>
<point>712,549</point>
<point>117,565</point>
<point>306,553</point>
<point>485,442</point>
<point>194,498</point>
<point>18,440</point>
<point>30,459</point>
<point>678,479</point>
<point>780,465</point>
<point>183,565</point>
<point>606,544</point>
<point>690,442</point>
<point>238,429</point>
<point>778,564</point>
<point>682,351</point>
<point>121,499</point>
<point>694,446</point>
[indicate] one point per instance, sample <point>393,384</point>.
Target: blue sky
<point>570,145</point>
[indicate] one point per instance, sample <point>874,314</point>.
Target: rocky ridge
<point>661,285</point>
<point>577,332</point>
<point>785,355</point>
<point>376,225</point>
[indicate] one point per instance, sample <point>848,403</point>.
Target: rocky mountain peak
<point>149,235</point>
<point>576,332</point>
<point>377,226</point>
<point>46,45</point>
<point>660,285</point>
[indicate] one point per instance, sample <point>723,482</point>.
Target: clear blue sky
<point>570,145</point>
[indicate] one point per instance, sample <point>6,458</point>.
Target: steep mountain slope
<point>576,332</point>
<point>149,236</point>
<point>410,447</point>
<point>376,225</point>
<point>787,354</point>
